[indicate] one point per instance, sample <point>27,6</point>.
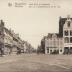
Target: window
<point>68,23</point>
<point>0,33</point>
<point>47,49</point>
<point>71,32</point>
<point>50,50</point>
<point>60,50</point>
<point>70,48</point>
<point>66,33</point>
<point>70,39</point>
<point>15,39</point>
<point>66,40</point>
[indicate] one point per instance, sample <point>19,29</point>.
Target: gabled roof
<point>61,24</point>
<point>51,34</point>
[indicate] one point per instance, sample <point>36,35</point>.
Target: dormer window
<point>68,23</point>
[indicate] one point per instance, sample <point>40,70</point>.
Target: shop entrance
<point>70,50</point>
<point>66,50</point>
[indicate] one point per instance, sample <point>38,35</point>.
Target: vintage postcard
<point>35,35</point>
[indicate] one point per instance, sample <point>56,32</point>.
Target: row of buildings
<point>59,43</point>
<point>11,42</point>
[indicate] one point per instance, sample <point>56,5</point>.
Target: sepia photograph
<point>35,35</point>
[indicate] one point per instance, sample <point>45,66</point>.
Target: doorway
<point>66,50</point>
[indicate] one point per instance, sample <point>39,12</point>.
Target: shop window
<point>70,48</point>
<point>66,40</point>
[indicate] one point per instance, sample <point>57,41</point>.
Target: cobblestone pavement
<point>36,63</point>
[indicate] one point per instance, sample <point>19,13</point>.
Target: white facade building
<point>61,45</point>
<point>53,44</point>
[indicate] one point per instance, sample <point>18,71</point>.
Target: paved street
<point>36,63</point>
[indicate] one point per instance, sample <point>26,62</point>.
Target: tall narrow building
<point>60,42</point>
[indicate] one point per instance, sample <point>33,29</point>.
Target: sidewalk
<point>9,58</point>
<point>13,57</point>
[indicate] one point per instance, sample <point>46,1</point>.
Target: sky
<point>33,24</point>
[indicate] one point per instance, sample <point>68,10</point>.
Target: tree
<point>43,45</point>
